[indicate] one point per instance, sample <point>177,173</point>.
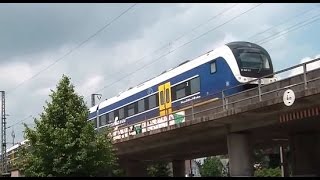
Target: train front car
<point>253,62</point>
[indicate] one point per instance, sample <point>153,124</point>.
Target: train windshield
<point>254,60</point>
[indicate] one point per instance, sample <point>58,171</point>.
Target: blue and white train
<point>199,79</point>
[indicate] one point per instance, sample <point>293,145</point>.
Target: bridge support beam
<point>178,167</point>
<point>134,168</point>
<point>240,156</point>
<point>305,150</point>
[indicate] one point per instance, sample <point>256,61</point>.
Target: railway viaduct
<point>234,125</point>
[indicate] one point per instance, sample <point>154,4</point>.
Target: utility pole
<point>282,162</point>
<point>93,102</point>
<point>13,135</point>
<point>3,135</point>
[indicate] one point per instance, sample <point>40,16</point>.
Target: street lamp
<point>93,103</point>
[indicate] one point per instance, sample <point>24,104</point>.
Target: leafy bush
<point>268,172</point>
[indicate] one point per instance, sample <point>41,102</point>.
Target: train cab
<point>253,62</point>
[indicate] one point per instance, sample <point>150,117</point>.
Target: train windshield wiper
<point>260,68</point>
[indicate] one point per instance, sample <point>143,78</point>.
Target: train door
<point>165,105</point>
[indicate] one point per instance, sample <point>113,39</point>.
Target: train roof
<point>182,67</point>
<point>16,146</point>
<point>236,44</point>
<point>13,147</point>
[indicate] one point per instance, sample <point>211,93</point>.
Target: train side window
<point>121,113</point>
<point>102,120</point>
<point>130,110</point>
<point>125,111</point>
<point>180,93</point>
<point>116,114</point>
<point>213,67</point>
<point>107,118</point>
<point>195,85</point>
<point>135,104</point>
<point>161,98</point>
<point>180,90</point>
<point>111,117</point>
<point>173,93</point>
<point>157,99</point>
<point>146,103</point>
<point>94,122</point>
<point>152,101</point>
<point>167,96</point>
<point>141,106</point>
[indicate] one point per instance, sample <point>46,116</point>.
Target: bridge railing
<point>260,93</point>
<point>229,101</point>
<point>12,164</point>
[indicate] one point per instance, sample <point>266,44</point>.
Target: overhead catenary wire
<point>30,116</point>
<point>73,49</point>
<point>201,35</point>
<point>283,22</point>
<point>210,19</point>
<point>290,29</point>
<point>225,10</point>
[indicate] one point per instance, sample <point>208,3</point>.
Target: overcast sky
<point>33,36</point>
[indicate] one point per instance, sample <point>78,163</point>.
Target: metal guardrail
<point>165,121</point>
<point>11,164</point>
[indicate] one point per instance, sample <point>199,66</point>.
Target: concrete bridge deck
<point>259,113</point>
<point>206,133</point>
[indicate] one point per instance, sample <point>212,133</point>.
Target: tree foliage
<point>211,167</point>
<point>266,165</point>
<point>63,142</point>
<point>268,172</point>
<point>159,169</point>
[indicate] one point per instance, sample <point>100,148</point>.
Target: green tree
<point>267,167</point>
<point>268,172</point>
<point>159,169</point>
<point>63,142</point>
<point>211,166</point>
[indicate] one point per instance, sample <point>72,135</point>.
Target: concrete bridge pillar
<point>240,154</point>
<point>178,167</point>
<point>305,150</point>
<point>134,168</point>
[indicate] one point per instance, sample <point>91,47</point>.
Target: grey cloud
<point>32,28</point>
